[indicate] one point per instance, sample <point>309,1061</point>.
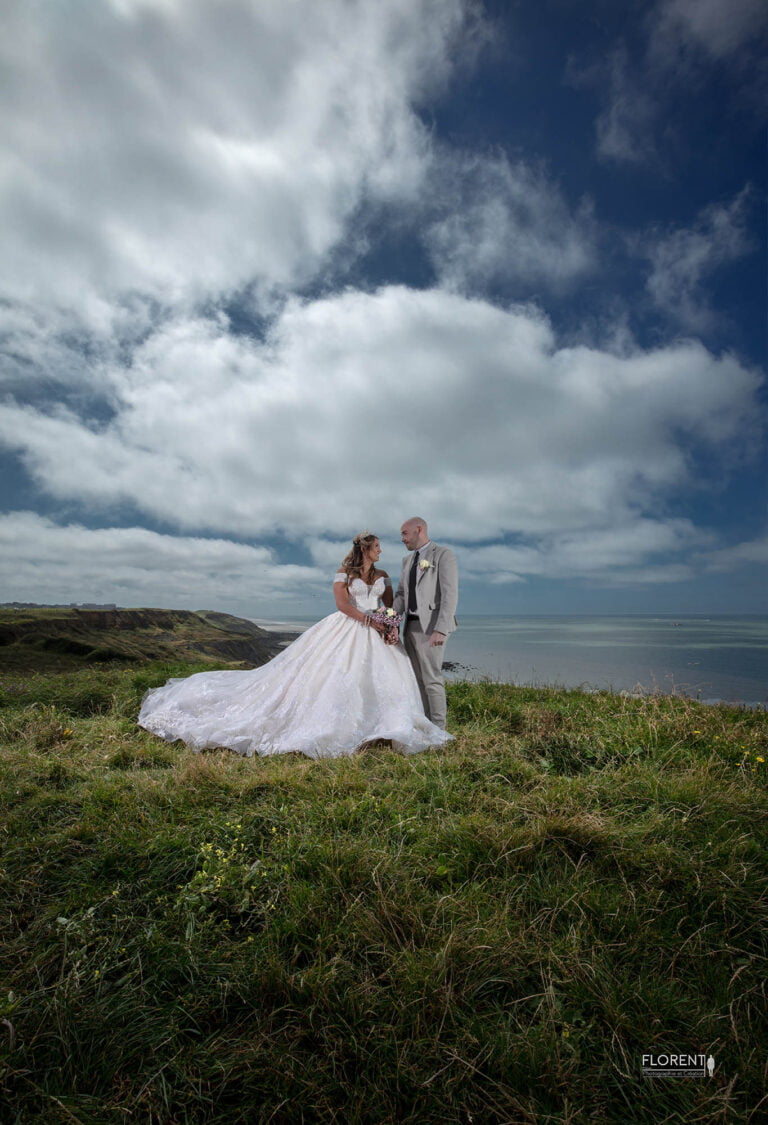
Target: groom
<point>427,597</point>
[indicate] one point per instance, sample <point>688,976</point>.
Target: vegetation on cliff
<point>492,932</point>
<point>58,638</point>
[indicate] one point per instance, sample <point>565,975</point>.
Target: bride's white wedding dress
<point>335,687</point>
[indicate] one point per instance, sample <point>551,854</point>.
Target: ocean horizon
<point>711,657</point>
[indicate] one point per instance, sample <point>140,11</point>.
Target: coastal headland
<point>50,638</point>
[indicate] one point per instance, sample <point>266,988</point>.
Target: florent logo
<point>678,1064</point>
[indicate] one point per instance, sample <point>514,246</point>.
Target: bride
<point>337,686</point>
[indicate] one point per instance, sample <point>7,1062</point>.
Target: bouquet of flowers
<point>391,621</point>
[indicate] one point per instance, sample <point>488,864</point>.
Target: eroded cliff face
<point>134,635</point>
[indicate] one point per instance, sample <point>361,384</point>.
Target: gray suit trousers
<point>427,664</point>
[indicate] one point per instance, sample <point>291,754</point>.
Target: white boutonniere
<point>425,564</point>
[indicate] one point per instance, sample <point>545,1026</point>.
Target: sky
<point>273,273</point>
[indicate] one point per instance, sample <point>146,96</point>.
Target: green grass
<point>492,932</point>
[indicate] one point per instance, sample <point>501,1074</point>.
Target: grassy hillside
<point>57,639</point>
<point>492,932</point>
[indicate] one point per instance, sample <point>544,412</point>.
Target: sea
<point>711,658</point>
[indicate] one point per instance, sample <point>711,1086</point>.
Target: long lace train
<point>336,687</point>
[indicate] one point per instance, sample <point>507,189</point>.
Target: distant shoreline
<point>714,659</point>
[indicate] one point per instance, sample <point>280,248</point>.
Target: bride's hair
<point>355,560</point>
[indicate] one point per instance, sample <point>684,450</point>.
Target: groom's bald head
<point>414,533</point>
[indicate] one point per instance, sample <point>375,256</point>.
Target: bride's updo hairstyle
<point>355,560</point>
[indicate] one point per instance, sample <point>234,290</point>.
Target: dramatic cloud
<point>183,150</point>
<point>720,29</point>
<point>682,39</point>
<point>682,259</point>
<point>754,552</point>
<point>356,401</point>
<point>505,222</point>
<point>133,566</point>
<point>202,201</point>
<point>625,126</point>
<point>610,555</point>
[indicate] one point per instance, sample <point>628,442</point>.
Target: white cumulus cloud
<point>358,406</point>
<point>505,221</point>
<point>133,566</point>
<point>751,552</point>
<point>179,181</point>
<point>721,29</point>
<point>683,258</point>
<point>625,125</point>
<point>183,150</point>
<point>643,89</point>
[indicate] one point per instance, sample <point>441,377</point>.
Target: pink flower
<point>391,620</point>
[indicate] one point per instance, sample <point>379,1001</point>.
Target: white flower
<point>425,564</point>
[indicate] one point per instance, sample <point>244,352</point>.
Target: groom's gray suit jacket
<point>437,589</point>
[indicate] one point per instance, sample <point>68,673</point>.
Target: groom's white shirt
<point>437,588</point>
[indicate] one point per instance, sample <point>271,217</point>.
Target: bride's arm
<point>387,597</point>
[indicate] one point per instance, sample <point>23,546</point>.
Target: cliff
<point>52,637</point>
